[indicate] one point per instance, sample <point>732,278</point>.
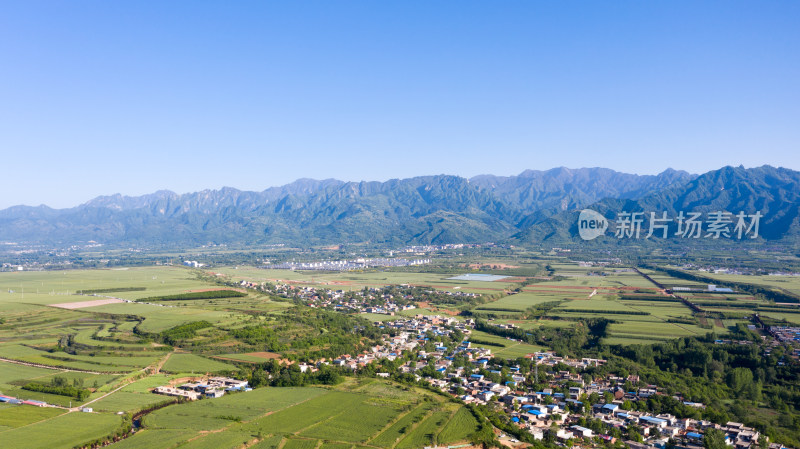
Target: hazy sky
<point>131,97</point>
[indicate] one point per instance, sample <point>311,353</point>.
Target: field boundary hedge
<point>211,294</point>
<point>111,290</point>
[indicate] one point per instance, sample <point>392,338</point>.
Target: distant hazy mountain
<point>425,209</point>
<point>566,189</point>
<point>532,207</point>
<point>774,192</point>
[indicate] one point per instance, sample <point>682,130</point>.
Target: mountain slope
<point>774,192</point>
<point>563,188</point>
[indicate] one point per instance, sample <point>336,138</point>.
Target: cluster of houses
<point>786,334</point>
<point>411,334</point>
<point>371,300</point>
<point>539,411</point>
<point>421,324</point>
<point>558,407</point>
<point>213,387</point>
<point>660,428</point>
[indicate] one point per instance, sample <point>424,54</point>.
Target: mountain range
<point>532,207</point>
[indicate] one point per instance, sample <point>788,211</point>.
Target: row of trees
<point>60,386</point>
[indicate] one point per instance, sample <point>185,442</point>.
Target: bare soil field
<point>83,304</point>
<point>265,355</point>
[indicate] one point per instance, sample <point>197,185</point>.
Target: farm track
<point>161,362</point>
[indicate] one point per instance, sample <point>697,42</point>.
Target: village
<point>575,407</point>
<point>386,300</point>
<point>569,409</point>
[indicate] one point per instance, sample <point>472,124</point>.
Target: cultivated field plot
<point>12,417</point>
<point>62,431</point>
<point>644,321</point>
<point>520,301</point>
<point>502,347</point>
<point>789,283</point>
<point>190,363</point>
<point>640,312</point>
<point>609,280</point>
<point>51,287</point>
<point>793,318</point>
<point>477,277</point>
<point>259,357</point>
<point>597,304</point>
<point>158,318</point>
<point>370,412</point>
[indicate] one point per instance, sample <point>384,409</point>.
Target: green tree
<point>740,380</point>
<point>714,439</point>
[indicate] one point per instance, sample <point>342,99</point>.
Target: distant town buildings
<point>346,265</point>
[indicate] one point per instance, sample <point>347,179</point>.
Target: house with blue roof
<point>609,408</point>
<point>537,414</point>
<point>653,421</point>
<point>694,436</point>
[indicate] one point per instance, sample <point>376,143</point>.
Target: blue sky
<point>131,97</point>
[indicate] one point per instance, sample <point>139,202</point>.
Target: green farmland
<point>375,413</point>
